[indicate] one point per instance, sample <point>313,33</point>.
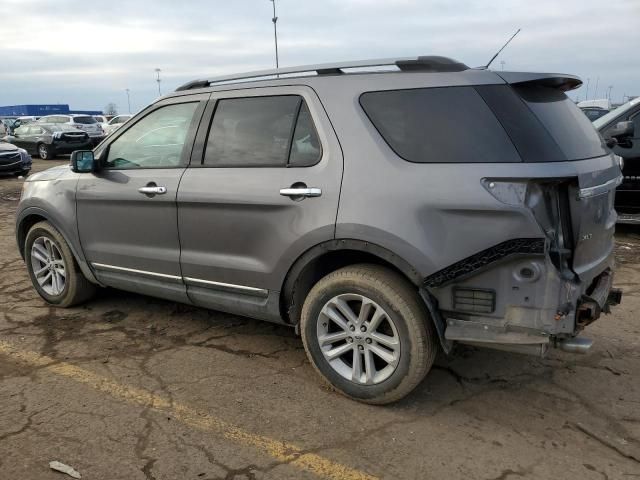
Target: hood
<point>7,147</point>
<point>53,173</point>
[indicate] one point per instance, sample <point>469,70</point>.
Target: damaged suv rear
<point>383,208</point>
<point>520,186</point>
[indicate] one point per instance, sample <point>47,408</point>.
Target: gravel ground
<point>131,387</point>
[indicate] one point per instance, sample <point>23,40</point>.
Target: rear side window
<point>439,125</point>
<point>85,120</point>
<point>569,127</point>
<point>262,132</point>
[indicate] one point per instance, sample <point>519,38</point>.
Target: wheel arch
<point>327,257</point>
<point>29,217</point>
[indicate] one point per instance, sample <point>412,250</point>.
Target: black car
<point>47,141</point>
<point>623,125</point>
<point>14,160</point>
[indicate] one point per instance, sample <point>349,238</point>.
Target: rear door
<point>126,212</point>
<point>262,187</point>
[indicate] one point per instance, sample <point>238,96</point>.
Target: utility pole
<point>128,100</point>
<point>586,97</point>
<point>274,19</point>
<point>158,80</point>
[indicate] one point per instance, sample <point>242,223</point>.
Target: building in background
<point>41,110</point>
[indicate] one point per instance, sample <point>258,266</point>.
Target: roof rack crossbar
<point>429,63</point>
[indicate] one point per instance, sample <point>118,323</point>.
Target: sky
<point>87,54</point>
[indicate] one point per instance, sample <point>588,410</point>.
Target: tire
<point>46,152</point>
<point>22,173</point>
<point>407,323</point>
<point>74,288</point>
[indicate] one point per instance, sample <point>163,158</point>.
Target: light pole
<point>586,97</point>
<point>128,100</point>
<point>502,62</point>
<point>274,19</point>
<point>595,94</point>
<point>609,94</point>
<point>158,80</point>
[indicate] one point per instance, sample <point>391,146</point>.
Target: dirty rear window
<point>84,120</point>
<point>439,125</point>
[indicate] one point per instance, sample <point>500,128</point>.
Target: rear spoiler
<point>559,81</point>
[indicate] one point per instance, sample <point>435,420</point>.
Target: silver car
<point>383,214</point>
<point>86,123</point>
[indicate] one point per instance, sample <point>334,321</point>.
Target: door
<point>262,187</point>
<point>21,137</point>
<point>126,212</point>
<point>628,193</point>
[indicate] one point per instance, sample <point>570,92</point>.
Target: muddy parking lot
<point>131,387</point>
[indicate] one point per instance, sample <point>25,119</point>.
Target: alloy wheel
<point>48,266</point>
<point>358,339</point>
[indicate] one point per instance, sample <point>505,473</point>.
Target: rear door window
<point>262,132</point>
<point>85,120</point>
<point>439,125</point>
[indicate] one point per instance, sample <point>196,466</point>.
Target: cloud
<point>59,52</point>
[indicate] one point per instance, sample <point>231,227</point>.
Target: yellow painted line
<point>278,450</point>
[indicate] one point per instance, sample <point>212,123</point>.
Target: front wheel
<point>52,268</point>
<point>368,334</point>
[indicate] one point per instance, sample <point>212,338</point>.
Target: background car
<point>628,193</point>
<point>86,123</point>
<point>116,122</point>
<point>103,120</point>
<point>47,141</point>
<point>593,113</point>
<point>14,159</point>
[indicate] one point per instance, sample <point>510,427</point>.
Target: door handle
<point>301,192</point>
<point>149,190</point>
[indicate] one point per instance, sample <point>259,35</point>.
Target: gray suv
<point>385,209</point>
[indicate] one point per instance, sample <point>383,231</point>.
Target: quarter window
<point>156,141</point>
<point>439,125</point>
<point>262,132</point>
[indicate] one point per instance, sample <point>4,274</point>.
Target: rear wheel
<point>46,152</point>
<point>367,333</point>
<point>52,268</point>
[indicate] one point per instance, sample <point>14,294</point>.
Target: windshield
<point>613,114</point>
<point>84,120</point>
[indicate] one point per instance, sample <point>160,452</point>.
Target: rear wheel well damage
<point>327,257</point>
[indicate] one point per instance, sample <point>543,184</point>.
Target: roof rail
<point>422,64</point>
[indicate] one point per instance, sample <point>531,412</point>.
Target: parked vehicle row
<point>383,215</point>
<point>49,140</point>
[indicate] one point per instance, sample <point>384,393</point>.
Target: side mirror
<point>83,161</point>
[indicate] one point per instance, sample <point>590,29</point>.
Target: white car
<point>86,123</point>
<point>116,122</point>
<point>103,120</point>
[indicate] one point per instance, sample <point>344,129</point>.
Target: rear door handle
<point>149,190</point>
<point>301,192</point>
